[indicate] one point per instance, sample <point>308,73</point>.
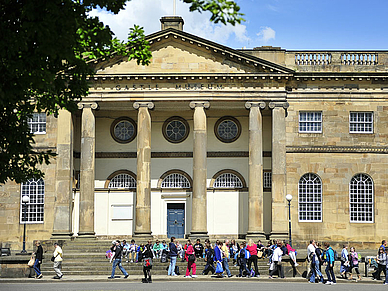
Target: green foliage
<point>45,52</point>
<point>224,11</point>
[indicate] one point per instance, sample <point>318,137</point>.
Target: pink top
<point>190,250</point>
<point>290,249</point>
<point>252,249</point>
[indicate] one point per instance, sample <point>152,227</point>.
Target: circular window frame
<point>222,119</point>
<point>118,120</point>
<point>164,127</point>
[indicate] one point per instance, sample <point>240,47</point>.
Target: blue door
<point>176,220</point>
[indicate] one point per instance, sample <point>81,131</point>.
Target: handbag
<point>219,268</point>
<point>191,258</point>
<point>31,262</point>
<point>259,254</point>
<point>148,263</point>
<point>52,259</point>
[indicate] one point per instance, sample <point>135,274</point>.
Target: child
<point>242,261</point>
<point>354,263</point>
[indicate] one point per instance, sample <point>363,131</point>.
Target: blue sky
<point>290,24</point>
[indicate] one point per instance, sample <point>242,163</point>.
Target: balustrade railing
<point>336,58</point>
<point>364,59</point>
<point>312,59</point>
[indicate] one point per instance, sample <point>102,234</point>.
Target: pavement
<point>165,278</point>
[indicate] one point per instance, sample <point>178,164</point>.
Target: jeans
<point>330,273</point>
<point>115,263</point>
<point>386,277</point>
<point>37,267</point>
<point>171,268</point>
<point>209,267</point>
<point>225,265</point>
<point>243,267</point>
<point>315,272</point>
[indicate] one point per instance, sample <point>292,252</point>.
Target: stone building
<point>208,140</point>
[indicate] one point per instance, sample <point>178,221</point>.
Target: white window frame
<point>41,123</point>
<point>175,181</point>
<point>362,203</point>
<point>35,189</point>
<point>312,201</point>
<point>361,117</point>
<point>125,179</point>
<point>311,121</point>
<point>218,184</point>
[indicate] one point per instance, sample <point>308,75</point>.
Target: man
<point>58,258</point>
<point>157,249</point>
<point>310,252</point>
<point>125,248</point>
<point>117,261</point>
<point>209,259</point>
<point>277,260</point>
<point>198,248</point>
<point>225,257</point>
<point>315,266</point>
<point>330,265</point>
<point>173,256</point>
<point>384,245</point>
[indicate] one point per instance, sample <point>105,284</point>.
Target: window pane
<point>310,198</point>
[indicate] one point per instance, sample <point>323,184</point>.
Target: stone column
<point>255,194</point>
<point>64,172</point>
<point>199,196</point>
<point>279,186</point>
<point>143,187</point>
<point>88,140</point>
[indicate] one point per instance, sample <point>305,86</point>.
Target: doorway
<point>175,220</point>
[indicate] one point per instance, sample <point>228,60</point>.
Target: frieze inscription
<point>155,87</point>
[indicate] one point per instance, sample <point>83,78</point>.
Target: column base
<point>280,235</point>
<point>86,235</point>
<point>143,235</point>
<point>255,236</point>
<point>61,235</point>
<point>194,235</point>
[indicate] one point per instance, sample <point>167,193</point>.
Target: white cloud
<point>266,33</point>
<point>147,13</point>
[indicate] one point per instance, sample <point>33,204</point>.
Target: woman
<point>252,249</point>
<point>147,265</point>
<point>344,261</point>
<point>218,259</point>
<point>190,257</point>
<point>234,248</point>
<point>354,263</point>
<point>291,254</point>
<point>381,263</point>
<point>38,260</point>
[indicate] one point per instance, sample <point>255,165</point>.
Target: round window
<point>227,129</point>
<point>175,129</point>
<point>123,130</point>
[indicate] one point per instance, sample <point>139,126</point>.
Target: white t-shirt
<point>277,255</point>
<point>310,249</point>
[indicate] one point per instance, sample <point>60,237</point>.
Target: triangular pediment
<point>177,52</point>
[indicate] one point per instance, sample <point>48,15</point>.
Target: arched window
<point>361,198</point>
<point>175,180</point>
<point>35,207</point>
<point>122,179</point>
<point>228,179</point>
<point>310,198</point>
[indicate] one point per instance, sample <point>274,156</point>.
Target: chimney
<point>175,22</point>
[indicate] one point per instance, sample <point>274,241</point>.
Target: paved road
<point>186,286</point>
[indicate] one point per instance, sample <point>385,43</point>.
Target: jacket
<point>39,253</point>
<point>58,254</point>
<point>330,256</point>
<point>217,254</point>
<point>173,249</point>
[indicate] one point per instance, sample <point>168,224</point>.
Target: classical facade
<point>207,141</point>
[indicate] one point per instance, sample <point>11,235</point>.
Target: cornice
<point>336,149</point>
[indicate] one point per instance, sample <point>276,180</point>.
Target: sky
<point>289,24</point>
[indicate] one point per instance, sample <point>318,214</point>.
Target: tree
<point>45,50</point>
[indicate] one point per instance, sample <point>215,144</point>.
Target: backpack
<point>335,255</point>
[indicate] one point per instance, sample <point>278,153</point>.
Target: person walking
<point>330,265</point>
<point>252,249</point>
<point>38,260</point>
<point>117,261</point>
<point>242,261</point>
<point>344,262</point>
<point>354,263</point>
<point>218,259</point>
<point>225,257</point>
<point>173,256</point>
<point>58,258</point>
<point>190,261</point>
<point>381,264</point>
<point>315,263</point>
<point>277,260</point>
<point>147,255</point>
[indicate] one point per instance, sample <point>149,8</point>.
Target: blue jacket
<point>330,255</point>
<point>217,254</point>
<point>173,249</point>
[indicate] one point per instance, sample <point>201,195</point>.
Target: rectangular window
<point>37,123</point>
<point>310,122</point>
<point>267,180</point>
<point>361,122</point>
<point>33,211</point>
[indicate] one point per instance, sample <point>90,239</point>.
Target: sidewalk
<point>161,278</point>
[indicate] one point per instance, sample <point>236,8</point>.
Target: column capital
<point>82,105</point>
<point>250,104</point>
<point>284,104</point>
<point>204,104</point>
<point>149,105</point>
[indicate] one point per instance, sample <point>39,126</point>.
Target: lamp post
<point>25,200</point>
<point>289,198</point>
